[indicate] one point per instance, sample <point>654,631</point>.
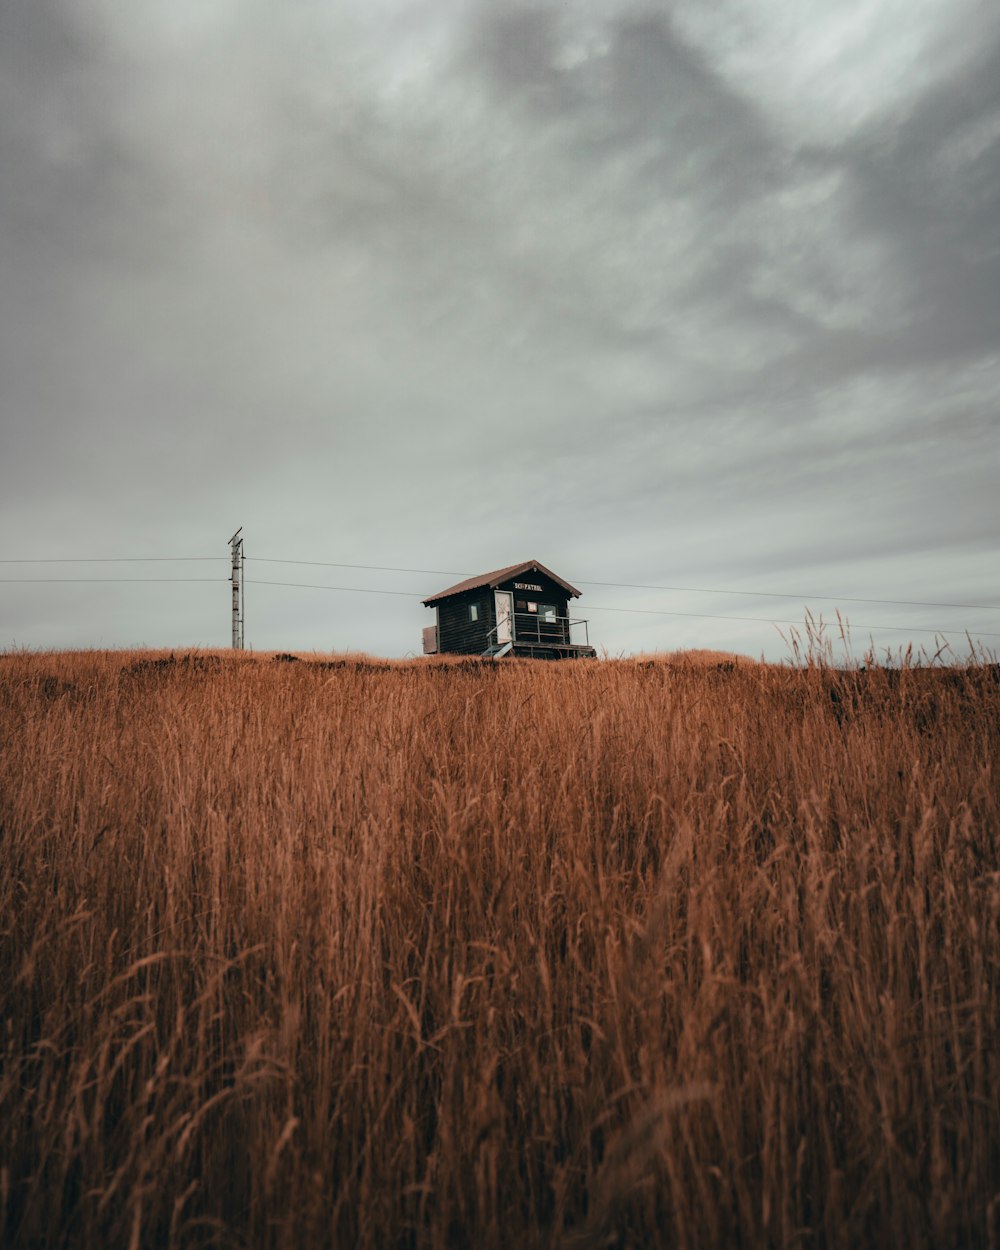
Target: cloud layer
<point>688,295</point>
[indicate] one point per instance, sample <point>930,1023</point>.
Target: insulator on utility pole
<point>237,579</point>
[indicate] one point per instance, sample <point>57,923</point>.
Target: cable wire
<point>765,620</point>
<point>707,616</point>
<point>111,559</point>
<point>757,620</point>
<point>696,590</point>
<point>389,568</point>
<point>774,594</point>
<point>356,590</point>
<point>43,581</point>
<point>372,568</point>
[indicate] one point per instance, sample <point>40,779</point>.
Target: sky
<point>700,296</point>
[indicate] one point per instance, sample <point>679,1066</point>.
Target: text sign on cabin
<point>527,586</point>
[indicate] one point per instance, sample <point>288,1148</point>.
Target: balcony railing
<point>554,631</point>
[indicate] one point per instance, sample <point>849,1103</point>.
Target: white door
<point>505,615</point>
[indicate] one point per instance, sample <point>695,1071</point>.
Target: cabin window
<point>473,611</point>
<point>547,612</point>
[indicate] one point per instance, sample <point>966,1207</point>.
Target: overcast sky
<point>694,295</point>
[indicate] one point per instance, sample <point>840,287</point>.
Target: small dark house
<point>520,610</point>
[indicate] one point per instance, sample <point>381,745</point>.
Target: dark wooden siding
<point>456,633</point>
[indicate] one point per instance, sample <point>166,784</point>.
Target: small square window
<point>473,611</point>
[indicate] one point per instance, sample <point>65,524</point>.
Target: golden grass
<point>511,955</point>
<point>694,656</point>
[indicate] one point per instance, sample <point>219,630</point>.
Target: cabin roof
<point>501,575</point>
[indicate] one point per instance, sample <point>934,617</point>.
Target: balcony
<point>542,636</point>
<point>560,631</point>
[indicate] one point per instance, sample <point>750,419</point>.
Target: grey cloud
<point>471,285</point>
<point>517,46</point>
<point>73,191</point>
<point>935,211</point>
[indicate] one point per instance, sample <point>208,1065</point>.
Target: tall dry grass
<point>562,955</point>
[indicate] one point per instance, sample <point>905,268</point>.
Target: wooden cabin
<point>520,610</point>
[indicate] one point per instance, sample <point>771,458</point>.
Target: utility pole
<point>237,579</point>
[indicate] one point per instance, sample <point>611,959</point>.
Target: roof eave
<point>489,581</point>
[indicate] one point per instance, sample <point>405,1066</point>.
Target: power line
<point>697,590</point>
<point>765,620</point>
<point>774,594</point>
<point>356,590</point>
<point>373,568</point>
<point>388,568</point>
<point>701,616</point>
<point>110,559</point>
<point>406,594</point>
<point>41,581</point>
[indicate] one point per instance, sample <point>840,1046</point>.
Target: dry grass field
<point>372,955</point>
